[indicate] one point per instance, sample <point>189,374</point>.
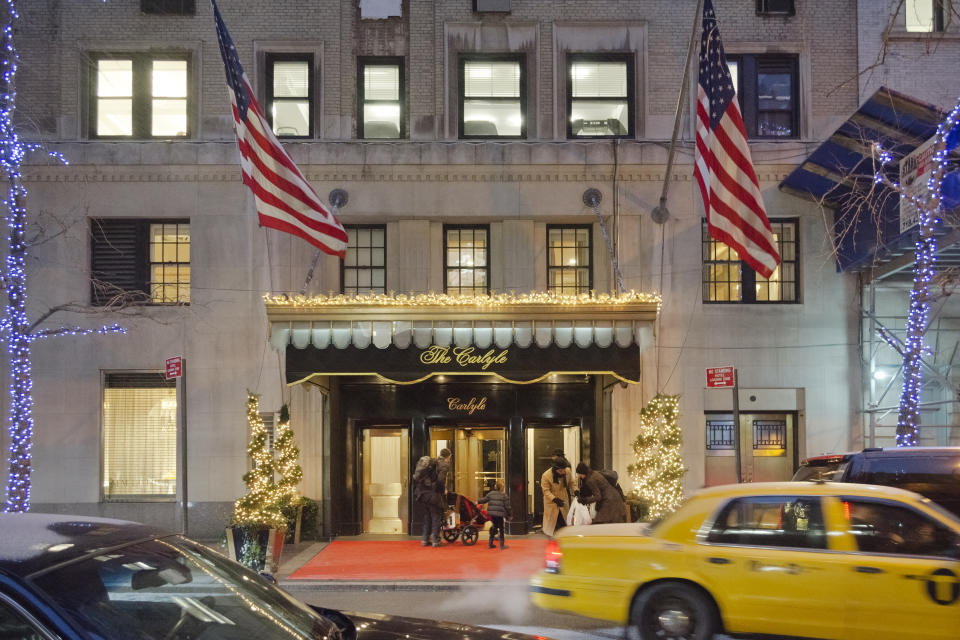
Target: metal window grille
<point>139,436</point>
<point>719,434</point>
<point>769,434</point>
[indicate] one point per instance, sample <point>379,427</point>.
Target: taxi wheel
<point>672,611</point>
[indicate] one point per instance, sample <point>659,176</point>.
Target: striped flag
<point>724,169</point>
<point>285,200</point>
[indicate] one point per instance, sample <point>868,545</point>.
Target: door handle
<point>862,569</point>
<point>719,560</point>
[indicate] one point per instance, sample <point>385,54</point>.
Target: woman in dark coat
<point>596,488</point>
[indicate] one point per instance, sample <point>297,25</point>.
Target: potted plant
<point>255,537</point>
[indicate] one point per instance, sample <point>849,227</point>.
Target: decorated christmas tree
<point>287,465</point>
<point>658,471</point>
<point>261,505</point>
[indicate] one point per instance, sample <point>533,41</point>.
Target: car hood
<point>379,626</point>
<point>631,529</point>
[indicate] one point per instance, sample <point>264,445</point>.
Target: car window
<point>771,521</point>
<point>934,476</point>
<point>881,527</point>
<point>828,471</point>
<point>173,588</point>
<point>14,626</point>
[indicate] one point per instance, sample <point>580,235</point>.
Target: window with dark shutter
<point>169,7</point>
<point>139,261</point>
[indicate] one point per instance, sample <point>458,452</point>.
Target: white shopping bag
<point>578,514</point>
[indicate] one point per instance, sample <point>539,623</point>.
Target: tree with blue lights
<point>929,208</point>
<point>17,331</point>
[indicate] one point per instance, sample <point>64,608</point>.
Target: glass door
<point>541,443</point>
<point>385,460</point>
<point>479,457</point>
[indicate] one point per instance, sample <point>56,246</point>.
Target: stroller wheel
<point>470,535</point>
<point>450,535</point>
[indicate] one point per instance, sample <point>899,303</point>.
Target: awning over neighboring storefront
<point>839,174</point>
<point>410,338</point>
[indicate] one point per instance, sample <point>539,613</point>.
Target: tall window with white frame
<point>380,99</point>
<point>466,259</point>
<point>139,436</point>
<point>492,103</point>
<point>363,268</point>
<point>728,279</point>
<point>926,16</point>
<point>290,104</point>
<point>140,96</point>
<point>599,96</point>
<point>569,258</point>
<point>767,88</point>
<point>135,261</point>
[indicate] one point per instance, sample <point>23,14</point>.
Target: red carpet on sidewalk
<point>407,560</point>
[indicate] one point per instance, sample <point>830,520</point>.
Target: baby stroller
<point>463,519</point>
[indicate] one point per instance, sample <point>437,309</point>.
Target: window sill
<point>920,36</point>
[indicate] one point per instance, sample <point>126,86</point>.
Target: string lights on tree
<point>658,471</point>
<point>261,505</point>
<point>287,453</point>
<point>928,206</point>
<point>16,330</point>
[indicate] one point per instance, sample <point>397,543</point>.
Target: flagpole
<point>660,212</point>
<point>337,198</point>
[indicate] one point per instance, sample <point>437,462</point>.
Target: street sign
<point>719,377</point>
<point>915,170</point>
<point>174,367</point>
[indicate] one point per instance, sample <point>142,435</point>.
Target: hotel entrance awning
<point>517,338</point>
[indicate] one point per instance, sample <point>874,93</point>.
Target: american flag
<point>724,169</point>
<point>285,200</point>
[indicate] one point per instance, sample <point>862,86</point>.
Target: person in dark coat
<point>498,508</point>
<point>596,488</point>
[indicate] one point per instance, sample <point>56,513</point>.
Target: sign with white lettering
<point>719,377</point>
<point>174,367</point>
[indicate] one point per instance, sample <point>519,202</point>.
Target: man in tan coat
<point>556,496</point>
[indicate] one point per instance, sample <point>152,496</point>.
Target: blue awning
<point>840,174</point>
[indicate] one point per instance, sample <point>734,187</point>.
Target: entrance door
<point>541,443</point>
<point>479,457</point>
<point>768,444</point>
<point>385,462</point>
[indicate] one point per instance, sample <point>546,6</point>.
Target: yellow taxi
<point>785,559</point>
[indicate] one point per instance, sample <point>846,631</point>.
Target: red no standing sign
<point>174,367</point>
<point>719,377</point>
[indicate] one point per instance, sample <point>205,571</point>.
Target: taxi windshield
<point>174,588</point>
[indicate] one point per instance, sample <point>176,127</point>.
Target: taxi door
<point>766,561</point>
<point>907,572</point>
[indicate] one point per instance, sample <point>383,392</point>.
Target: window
<point>767,90</point>
<point>17,624</point>
<point>775,8</point>
<point>727,279</point>
<point>569,264</point>
<point>169,7</point>
<point>363,269</point>
<point>140,96</point>
<point>290,94</point>
<point>139,261</point>
<point>139,436</point>
<point>466,259</point>
<point>492,103</point>
<point>770,435</point>
<point>771,521</point>
<point>882,527</point>
<point>380,99</point>
<point>925,15</point>
<point>720,435</point>
<point>599,96</point>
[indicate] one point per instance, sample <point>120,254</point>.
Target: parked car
<point>930,471</point>
<point>785,559</point>
<point>90,578</point>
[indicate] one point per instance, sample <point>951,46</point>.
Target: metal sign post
<point>736,427</point>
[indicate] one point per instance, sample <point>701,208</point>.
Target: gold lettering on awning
<point>463,356</point>
<point>455,404</point>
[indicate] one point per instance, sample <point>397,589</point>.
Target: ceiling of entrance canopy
<point>541,320</point>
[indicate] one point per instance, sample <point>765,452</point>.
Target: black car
<point>72,577</point>
<point>933,472</point>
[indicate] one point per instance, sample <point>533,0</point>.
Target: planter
<point>257,547</point>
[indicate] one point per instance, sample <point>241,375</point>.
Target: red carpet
<point>407,560</point>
